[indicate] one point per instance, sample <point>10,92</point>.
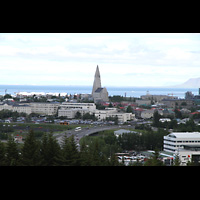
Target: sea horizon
<point>128,91</point>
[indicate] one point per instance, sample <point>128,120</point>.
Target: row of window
<point>165,148</point>
<point>187,141</point>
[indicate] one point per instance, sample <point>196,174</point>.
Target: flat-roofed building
<point>174,141</point>
<point>69,110</point>
<point>44,108</point>
<point>18,107</point>
<point>190,153</point>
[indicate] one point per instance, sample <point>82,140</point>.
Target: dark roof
<point>99,90</point>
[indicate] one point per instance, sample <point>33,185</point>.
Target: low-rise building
<point>121,132</point>
<point>12,106</point>
<point>147,114</point>
<point>174,141</point>
<point>173,103</point>
<point>44,108</point>
<point>112,112</point>
<point>141,102</point>
<point>69,110</point>
<point>190,153</point>
<point>157,98</point>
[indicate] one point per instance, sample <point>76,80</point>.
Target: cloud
<point>131,58</point>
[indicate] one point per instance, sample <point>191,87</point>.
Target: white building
<point>165,120</point>
<point>44,108</point>
<point>176,141</point>
<point>147,114</point>
<point>112,112</point>
<point>69,110</point>
<point>121,132</point>
<point>12,106</point>
<point>188,154</point>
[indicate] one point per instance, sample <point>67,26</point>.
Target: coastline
<point>129,91</point>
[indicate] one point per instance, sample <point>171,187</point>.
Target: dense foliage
<point>188,126</point>
<point>94,150</point>
<point>47,152</point>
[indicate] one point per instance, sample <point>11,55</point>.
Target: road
<point>87,131</point>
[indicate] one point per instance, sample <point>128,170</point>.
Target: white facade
<point>44,108</point>
<point>16,107</point>
<point>91,107</point>
<point>186,155</point>
<point>122,117</point>
<point>175,141</point>
<point>69,110</point>
<point>147,114</point>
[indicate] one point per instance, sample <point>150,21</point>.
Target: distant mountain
<point>191,83</point>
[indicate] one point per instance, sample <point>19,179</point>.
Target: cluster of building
<point>69,109</point>
<point>183,146</point>
<point>28,108</point>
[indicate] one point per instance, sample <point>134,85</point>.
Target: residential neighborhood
<point>157,129</point>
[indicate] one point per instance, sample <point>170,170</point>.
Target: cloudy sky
<point>124,59</point>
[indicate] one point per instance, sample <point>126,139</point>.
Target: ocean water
<point>122,91</point>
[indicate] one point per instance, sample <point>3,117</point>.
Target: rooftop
<point>98,89</point>
<point>185,135</point>
<point>121,131</point>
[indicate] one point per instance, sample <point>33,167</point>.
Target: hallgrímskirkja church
<point>99,94</point>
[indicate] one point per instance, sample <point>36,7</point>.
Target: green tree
<point>129,109</point>
<point>116,120</point>
<point>156,117</point>
<point>2,154</point>
<point>110,105</point>
<point>53,152</point>
<point>154,160</point>
<point>85,157</point>
<point>30,150</point>
<point>113,161</point>
<point>78,115</point>
<point>44,149</point>
<point>7,96</point>
<point>12,153</point>
<point>69,151</point>
<point>178,114</point>
<point>176,161</point>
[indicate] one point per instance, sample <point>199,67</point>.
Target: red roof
<point>195,113</point>
<point>139,109</point>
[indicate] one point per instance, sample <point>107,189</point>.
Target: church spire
<point>97,80</point>
<point>97,74</point>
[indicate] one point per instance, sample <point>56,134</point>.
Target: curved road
<point>87,131</point>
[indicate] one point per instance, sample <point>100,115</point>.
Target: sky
<point>124,59</point>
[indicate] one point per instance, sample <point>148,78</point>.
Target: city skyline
<point>125,59</point>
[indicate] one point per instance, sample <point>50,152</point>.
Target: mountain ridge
<point>190,83</point>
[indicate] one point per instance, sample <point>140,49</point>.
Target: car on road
<point>78,129</point>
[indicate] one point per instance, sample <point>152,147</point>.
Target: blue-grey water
<point>122,91</point>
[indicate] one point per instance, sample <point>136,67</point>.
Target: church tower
<point>99,94</point>
<point>97,81</point>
